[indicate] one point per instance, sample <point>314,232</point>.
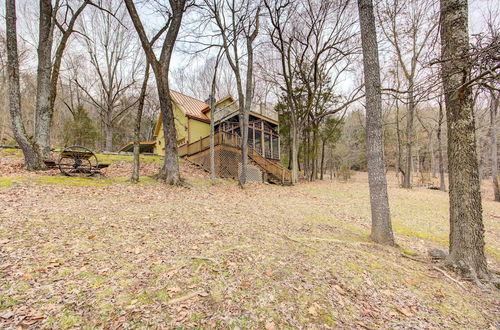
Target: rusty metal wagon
<point>77,161</point>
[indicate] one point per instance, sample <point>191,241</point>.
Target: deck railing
<point>234,140</point>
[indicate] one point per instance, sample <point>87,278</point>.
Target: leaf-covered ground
<point>104,253</point>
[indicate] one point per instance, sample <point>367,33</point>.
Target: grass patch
<point>11,152</point>
<point>7,301</point>
<point>109,159</point>
<point>8,182</point>
<point>403,230</point>
<point>66,320</point>
<point>89,182</point>
<point>70,181</point>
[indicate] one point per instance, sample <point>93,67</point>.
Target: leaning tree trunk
<point>466,221</point>
<point>32,159</point>
<point>212,133</point>
<point>494,148</point>
<point>381,231</point>
<point>212,122</point>
<point>137,128</point>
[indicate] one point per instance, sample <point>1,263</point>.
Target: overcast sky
<point>28,25</point>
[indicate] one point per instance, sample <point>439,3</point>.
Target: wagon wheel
<point>75,167</point>
<point>78,161</point>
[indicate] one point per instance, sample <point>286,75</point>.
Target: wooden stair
<point>274,172</point>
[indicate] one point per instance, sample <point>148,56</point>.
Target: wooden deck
<point>274,172</point>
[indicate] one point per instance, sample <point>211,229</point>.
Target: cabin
<point>192,124</point>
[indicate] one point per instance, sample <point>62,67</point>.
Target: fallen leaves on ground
<point>137,256</point>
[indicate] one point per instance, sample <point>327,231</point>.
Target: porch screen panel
<point>267,142</point>
<point>258,144</point>
<point>250,137</point>
<point>276,147</point>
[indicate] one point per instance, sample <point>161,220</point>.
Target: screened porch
<point>262,135</point>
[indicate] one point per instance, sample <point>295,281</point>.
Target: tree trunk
<point>398,135</point>
<point>212,134</point>
<point>322,158</point>
<point>442,184</point>
<point>43,107</point>
<point>295,152</point>
<point>137,128</point>
<point>212,120</point>
<point>494,148</point>
<point>48,72</point>
<point>306,152</point>
<point>381,231</point>
<point>108,132</point>
<point>32,159</point>
<point>466,221</point>
<point>433,158</point>
<point>170,171</point>
<point>314,153</point>
<point>409,138</point>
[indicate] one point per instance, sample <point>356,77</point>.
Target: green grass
<point>102,158</point>
<point>11,152</point>
<point>70,181</point>
<point>77,182</point>
<point>110,159</point>
<point>8,182</point>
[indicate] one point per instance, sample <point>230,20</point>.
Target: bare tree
<point>49,64</point>
<point>466,221</point>
<point>112,53</point>
<point>411,43</point>
<point>212,114</point>
<point>170,171</point>
<point>137,127</point>
<point>32,161</point>
<point>238,21</point>
<point>313,40</point>
<point>381,231</point>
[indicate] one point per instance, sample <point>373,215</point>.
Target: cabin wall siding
<point>181,127</point>
<point>198,130</point>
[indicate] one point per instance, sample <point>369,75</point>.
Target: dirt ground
<point>105,253</point>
